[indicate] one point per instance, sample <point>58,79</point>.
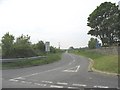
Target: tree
<point>104,22</point>
<point>71,48</point>
<point>39,47</point>
<point>7,45</point>
<point>52,49</point>
<point>92,43</point>
<point>23,47</point>
<point>118,28</point>
<point>0,46</point>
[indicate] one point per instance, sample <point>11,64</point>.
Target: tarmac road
<point>70,72</point>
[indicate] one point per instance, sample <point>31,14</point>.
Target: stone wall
<point>107,50</point>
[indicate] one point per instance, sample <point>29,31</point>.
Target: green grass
<point>0,57</point>
<point>27,63</point>
<point>108,63</point>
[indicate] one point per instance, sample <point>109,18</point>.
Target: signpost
<point>47,46</point>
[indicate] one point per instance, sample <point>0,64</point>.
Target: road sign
<point>47,46</point>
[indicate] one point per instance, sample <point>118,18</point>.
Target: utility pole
<point>59,45</point>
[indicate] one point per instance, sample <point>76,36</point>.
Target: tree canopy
<point>104,22</point>
<point>22,47</point>
<point>92,43</point>
<point>7,45</point>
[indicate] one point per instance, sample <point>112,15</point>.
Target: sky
<point>56,21</point>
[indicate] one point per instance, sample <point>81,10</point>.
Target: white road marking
<point>13,80</point>
<point>40,84</point>
<point>40,72</point>
<point>34,74</point>
<point>23,81</point>
<point>77,68</point>
<point>101,87</point>
<point>47,81</point>
<point>19,78</point>
<point>55,86</point>
<point>26,82</point>
<point>72,87</point>
<point>83,85</point>
<point>62,83</point>
<point>69,70</point>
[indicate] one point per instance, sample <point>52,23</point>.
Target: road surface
<point>70,72</point>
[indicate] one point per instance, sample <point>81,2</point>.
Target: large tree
<point>104,22</point>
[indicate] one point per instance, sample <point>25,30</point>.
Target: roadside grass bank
<point>50,58</point>
<point>102,62</point>
<point>0,57</point>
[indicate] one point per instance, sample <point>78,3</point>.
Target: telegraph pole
<point>59,45</point>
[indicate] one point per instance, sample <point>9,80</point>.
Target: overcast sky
<point>63,21</point>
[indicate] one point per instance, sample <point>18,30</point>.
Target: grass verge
<point>102,62</point>
<point>27,63</point>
